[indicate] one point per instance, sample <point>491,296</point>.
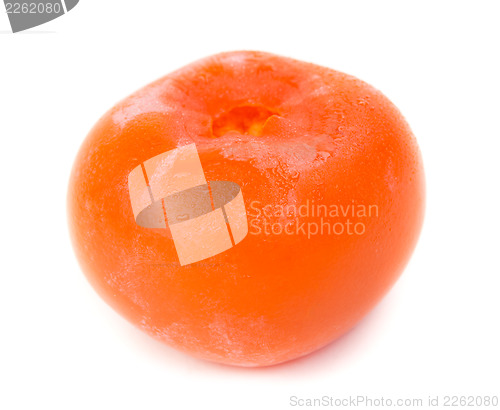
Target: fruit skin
<point>333,139</point>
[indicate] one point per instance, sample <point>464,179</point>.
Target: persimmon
<point>330,178</point>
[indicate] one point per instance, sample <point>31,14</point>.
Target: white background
<point>437,331</point>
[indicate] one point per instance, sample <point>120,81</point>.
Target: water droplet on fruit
<point>323,155</point>
<point>294,176</point>
<point>285,177</point>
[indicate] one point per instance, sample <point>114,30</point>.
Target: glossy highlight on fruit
<point>333,186</point>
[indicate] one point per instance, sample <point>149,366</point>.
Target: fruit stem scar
<point>245,119</point>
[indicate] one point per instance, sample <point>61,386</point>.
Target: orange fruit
<point>333,189</point>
